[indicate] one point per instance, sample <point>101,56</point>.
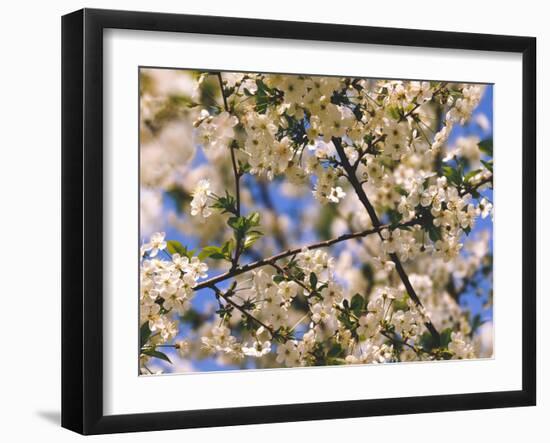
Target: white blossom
<point>200,204</point>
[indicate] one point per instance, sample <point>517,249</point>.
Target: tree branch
<point>236,173</point>
<point>417,105</point>
<point>376,222</point>
<point>287,275</point>
<point>369,150</point>
<point>289,252</point>
<point>227,298</point>
<point>475,187</point>
<point>395,340</point>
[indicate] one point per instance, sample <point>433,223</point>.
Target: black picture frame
<point>82,220</point>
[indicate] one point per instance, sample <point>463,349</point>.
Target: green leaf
<point>228,247</point>
<point>237,223</point>
<point>156,354</point>
<point>445,354</point>
<point>395,218</point>
<point>433,233</point>
<point>228,204</point>
<point>262,97</point>
<point>357,112</point>
<point>251,238</point>
<point>244,167</point>
<point>357,304</point>
<point>401,304</point>
<point>214,252</point>
<point>445,337</point>
<point>471,174</point>
<point>486,146</point>
<point>401,191</point>
<point>313,280</point>
<point>393,112</point>
<point>335,351</point>
<point>241,225</point>
<point>427,341</point>
<point>144,333</point>
<point>345,319</point>
<point>455,93</point>
<point>331,361</point>
<point>218,256</point>
<point>253,219</point>
<point>476,323</point>
<point>453,175</point>
<point>175,247</point>
<point>488,165</point>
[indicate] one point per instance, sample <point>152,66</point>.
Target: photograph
<point>296,220</point>
<point>275,221</point>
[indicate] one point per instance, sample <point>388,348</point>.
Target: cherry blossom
<point>371,267</point>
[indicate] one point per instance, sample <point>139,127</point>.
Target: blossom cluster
<point>166,288</point>
<point>354,146</point>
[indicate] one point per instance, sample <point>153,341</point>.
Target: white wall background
<point>30,217</point>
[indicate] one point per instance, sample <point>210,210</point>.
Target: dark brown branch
<point>369,150</point>
<point>475,187</point>
<point>395,340</point>
<point>220,79</point>
<point>274,258</point>
<point>227,298</point>
<point>287,275</point>
<point>376,222</point>
<point>417,105</point>
<point>236,172</point>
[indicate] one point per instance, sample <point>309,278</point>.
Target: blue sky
<point>470,300</point>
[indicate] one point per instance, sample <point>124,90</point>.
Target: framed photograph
<point>270,221</point>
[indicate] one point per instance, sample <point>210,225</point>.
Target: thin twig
<point>376,222</point>
<point>236,173</point>
<point>404,343</point>
<point>475,187</point>
<point>287,275</point>
<point>371,145</point>
<point>274,258</point>
<point>227,298</point>
<point>417,105</point>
